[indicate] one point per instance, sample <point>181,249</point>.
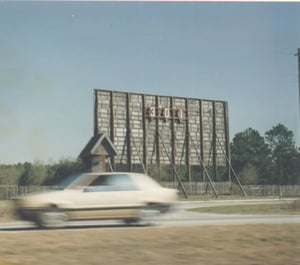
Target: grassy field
<point>214,245</point>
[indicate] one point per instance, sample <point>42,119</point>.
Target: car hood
<point>44,199</point>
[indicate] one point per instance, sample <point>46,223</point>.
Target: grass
<point>214,245</point>
<point>7,211</point>
<point>280,208</point>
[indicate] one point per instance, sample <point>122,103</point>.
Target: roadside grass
<point>289,208</point>
<point>7,211</point>
<point>215,245</point>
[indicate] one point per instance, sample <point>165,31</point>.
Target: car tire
<point>51,217</point>
<point>147,215</point>
<point>131,221</point>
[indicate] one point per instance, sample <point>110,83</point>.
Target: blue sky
<point>53,54</point>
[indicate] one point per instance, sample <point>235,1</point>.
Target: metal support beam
<point>204,168</point>
<point>128,132</point>
<point>227,142</point>
<point>139,154</point>
<point>145,149</point>
<point>96,131</point>
<point>214,142</point>
<point>174,169</point>
<point>233,172</point>
<point>157,139</point>
<point>112,129</point>
<point>173,144</point>
<point>187,141</point>
<point>201,139</point>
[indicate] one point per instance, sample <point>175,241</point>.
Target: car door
<point>111,196</point>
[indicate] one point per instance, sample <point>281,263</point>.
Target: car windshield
<point>62,184</point>
<point>72,181</point>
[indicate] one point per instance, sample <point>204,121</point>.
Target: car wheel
<point>51,217</point>
<point>148,214</point>
<point>131,221</point>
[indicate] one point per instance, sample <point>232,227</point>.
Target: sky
<point>54,54</point>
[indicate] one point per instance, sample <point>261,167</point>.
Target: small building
<point>97,153</point>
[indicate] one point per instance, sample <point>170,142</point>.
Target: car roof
<point>141,179</point>
<point>114,173</point>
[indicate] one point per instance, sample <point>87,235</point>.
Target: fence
<point>269,190</point>
<point>8,192</point>
<point>227,188</point>
<point>201,188</point>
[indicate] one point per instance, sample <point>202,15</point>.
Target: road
<point>178,217</point>
<point>182,217</point>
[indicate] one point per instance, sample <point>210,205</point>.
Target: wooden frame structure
<point>162,135</point>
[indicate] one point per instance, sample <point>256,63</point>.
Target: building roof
<point>98,145</point>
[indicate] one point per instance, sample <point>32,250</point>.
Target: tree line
<point>38,173</point>
<point>272,159</point>
<point>269,159</point>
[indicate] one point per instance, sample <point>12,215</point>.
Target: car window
<point>118,182</point>
<point>75,181</point>
<point>66,182</point>
<point>80,181</point>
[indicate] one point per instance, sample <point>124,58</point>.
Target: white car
<point>130,197</point>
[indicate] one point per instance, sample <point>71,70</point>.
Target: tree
<point>10,174</point>
<point>250,157</point>
<point>63,169</point>
<point>284,155</point>
<point>33,174</point>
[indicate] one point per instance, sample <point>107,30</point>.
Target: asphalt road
<point>178,217</point>
<point>181,217</point>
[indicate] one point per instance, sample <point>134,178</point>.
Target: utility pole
<point>298,123</point>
